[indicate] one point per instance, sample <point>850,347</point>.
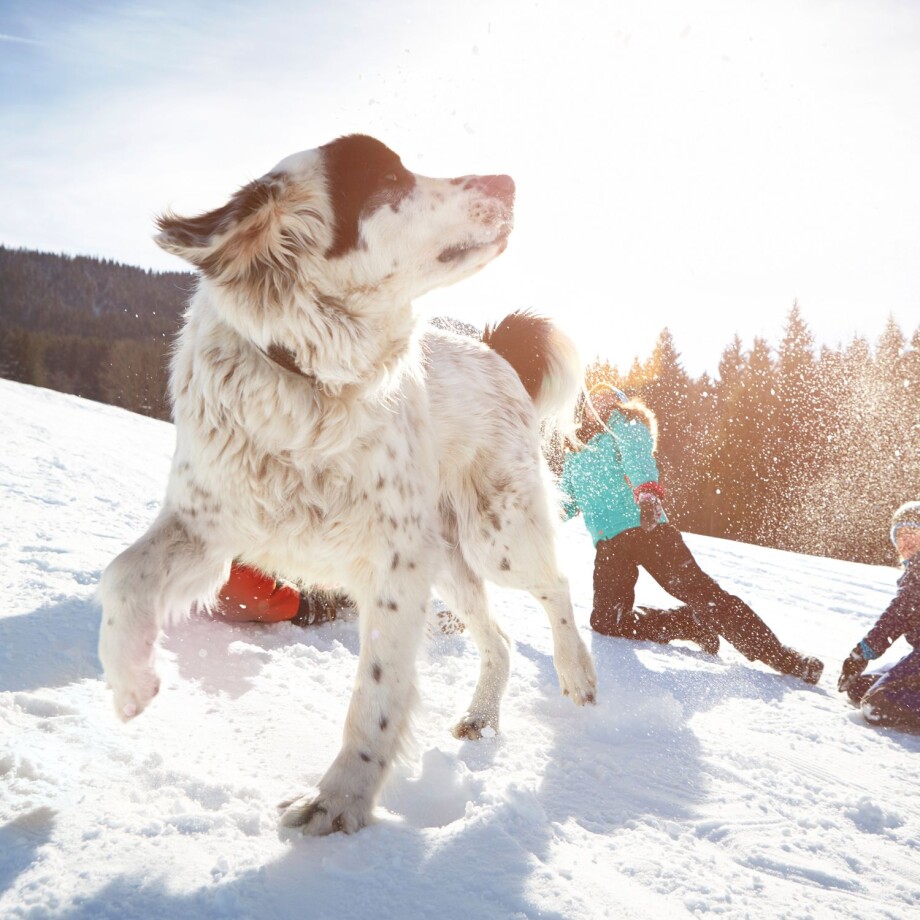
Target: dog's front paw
<point>132,677</point>
<point>318,815</point>
<point>577,678</point>
<point>132,694</point>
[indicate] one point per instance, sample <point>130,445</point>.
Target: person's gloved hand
<point>649,511</point>
<point>648,497</point>
<point>852,668</point>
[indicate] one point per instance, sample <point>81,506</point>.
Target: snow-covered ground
<point>697,785</point>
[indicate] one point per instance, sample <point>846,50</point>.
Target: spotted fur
<point>373,455</point>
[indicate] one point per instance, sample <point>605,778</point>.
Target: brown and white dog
<point>320,433</point>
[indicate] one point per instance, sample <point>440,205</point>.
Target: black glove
<point>852,668</point>
<point>650,510</point>
<point>648,497</point>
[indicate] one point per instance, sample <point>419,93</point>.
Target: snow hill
<point>696,786</point>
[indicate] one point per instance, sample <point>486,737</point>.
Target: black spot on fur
<point>505,565</point>
<point>395,563</point>
<point>365,757</point>
<point>383,723</point>
<point>377,673</point>
<point>362,175</point>
<point>392,605</point>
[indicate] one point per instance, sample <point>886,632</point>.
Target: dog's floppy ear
<point>240,238</point>
<point>196,238</point>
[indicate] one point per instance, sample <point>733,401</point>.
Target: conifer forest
<point>789,444</point>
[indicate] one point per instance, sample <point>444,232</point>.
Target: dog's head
<point>346,221</point>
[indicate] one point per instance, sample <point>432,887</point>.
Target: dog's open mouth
<point>457,252</point>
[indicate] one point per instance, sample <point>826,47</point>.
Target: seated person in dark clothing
<point>892,698</point>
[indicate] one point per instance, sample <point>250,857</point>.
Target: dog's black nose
<point>501,187</point>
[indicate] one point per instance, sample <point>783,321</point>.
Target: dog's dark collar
<point>285,358</point>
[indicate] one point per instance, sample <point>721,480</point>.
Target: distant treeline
<point>792,447</point>
<point>788,446</point>
<point>90,327</point>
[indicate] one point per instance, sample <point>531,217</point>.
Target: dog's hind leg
<point>574,666</point>
<point>157,578</point>
<point>528,561</point>
<point>465,594</point>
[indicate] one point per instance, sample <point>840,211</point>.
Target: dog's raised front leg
<point>378,715</point>
<point>157,578</point>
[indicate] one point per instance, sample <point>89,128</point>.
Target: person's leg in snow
<point>893,699</point>
<point>664,554</point>
<point>860,687</point>
<point>615,575</point>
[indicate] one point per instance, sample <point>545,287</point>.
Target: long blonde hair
<point>593,423</point>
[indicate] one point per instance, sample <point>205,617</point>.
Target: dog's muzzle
<point>499,211</point>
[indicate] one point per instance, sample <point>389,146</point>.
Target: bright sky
<point>695,165</point>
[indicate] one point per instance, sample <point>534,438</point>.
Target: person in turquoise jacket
<point>613,481</point>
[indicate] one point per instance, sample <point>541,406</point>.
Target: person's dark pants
<point>892,698</point>
<point>664,555</point>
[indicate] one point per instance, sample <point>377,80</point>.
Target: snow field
<point>696,786</point>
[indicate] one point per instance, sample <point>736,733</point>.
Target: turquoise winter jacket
<point>599,480</point>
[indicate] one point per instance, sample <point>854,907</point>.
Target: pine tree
<point>795,432</point>
<point>21,356</point>
<point>716,471</point>
<point>667,393</point>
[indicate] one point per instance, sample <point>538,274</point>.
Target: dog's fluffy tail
<point>547,362</point>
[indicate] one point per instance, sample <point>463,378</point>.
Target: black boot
<point>619,624</point>
<point>681,623</point>
<point>696,630</point>
<point>789,661</point>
